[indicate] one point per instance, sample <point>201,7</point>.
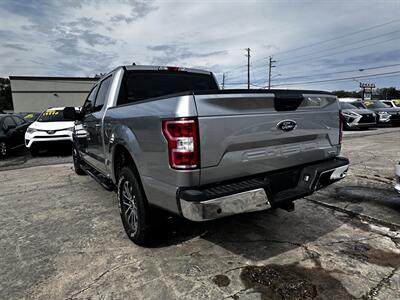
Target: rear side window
<point>142,85</point>
<point>7,122</point>
<point>102,94</point>
<point>18,120</point>
<point>90,99</point>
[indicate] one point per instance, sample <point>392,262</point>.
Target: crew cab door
<point>92,125</point>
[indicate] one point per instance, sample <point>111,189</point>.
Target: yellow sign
<point>368,103</point>
<point>51,113</point>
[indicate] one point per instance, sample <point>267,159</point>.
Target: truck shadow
<point>256,236</point>
<point>359,194</point>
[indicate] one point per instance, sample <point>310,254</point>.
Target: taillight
<point>182,138</point>
<point>340,126</point>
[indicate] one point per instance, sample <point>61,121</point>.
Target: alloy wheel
<point>129,207</point>
<point>3,149</point>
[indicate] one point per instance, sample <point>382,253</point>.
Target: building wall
<point>35,94</point>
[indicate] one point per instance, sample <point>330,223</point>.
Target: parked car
<point>392,103</point>
<point>382,116</point>
<point>12,131</point>
<point>50,128</point>
<point>383,110</point>
<point>30,116</point>
<point>167,137</point>
<point>355,117</point>
<point>397,171</point>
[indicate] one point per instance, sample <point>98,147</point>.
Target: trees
<point>381,93</point>
<point>347,94</point>
<point>5,94</point>
<point>387,93</point>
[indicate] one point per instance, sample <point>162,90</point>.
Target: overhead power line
<point>340,52</point>
<point>340,37</point>
<point>340,72</point>
<point>328,54</point>
<point>341,46</point>
<point>338,79</point>
<point>322,42</point>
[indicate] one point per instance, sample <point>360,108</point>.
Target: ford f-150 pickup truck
<point>167,137</point>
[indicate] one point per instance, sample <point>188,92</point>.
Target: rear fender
<point>124,136</point>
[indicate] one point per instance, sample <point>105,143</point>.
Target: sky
<point>309,40</point>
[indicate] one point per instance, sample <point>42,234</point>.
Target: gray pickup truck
<point>167,137</point>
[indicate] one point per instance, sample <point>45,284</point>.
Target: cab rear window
<point>142,85</point>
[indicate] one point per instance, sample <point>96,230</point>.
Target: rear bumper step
<point>277,189</point>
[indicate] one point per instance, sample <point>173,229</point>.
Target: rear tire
<point>3,149</point>
<point>77,162</point>
<point>133,207</point>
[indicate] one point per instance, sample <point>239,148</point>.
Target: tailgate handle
<point>287,102</point>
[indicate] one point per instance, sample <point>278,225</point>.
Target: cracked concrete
<point>61,238</point>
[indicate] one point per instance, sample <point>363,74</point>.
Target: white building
<point>35,94</point>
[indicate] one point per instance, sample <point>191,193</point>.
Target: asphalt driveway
<point>61,238</point>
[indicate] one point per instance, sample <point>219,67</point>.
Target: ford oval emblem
<point>286,125</point>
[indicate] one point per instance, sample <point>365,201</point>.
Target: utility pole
<point>270,71</point>
<point>248,67</point>
<point>223,81</point>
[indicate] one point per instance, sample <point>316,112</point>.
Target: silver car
<point>355,117</point>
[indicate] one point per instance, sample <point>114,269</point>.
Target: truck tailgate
<point>247,133</point>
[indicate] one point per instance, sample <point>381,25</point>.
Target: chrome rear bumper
<point>195,204</point>
<point>254,200</point>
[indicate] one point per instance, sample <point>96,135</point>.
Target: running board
<point>100,178</point>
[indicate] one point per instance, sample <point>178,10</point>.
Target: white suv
<point>49,128</point>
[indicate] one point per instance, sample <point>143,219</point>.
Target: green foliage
<point>387,93</point>
<point>381,93</point>
<point>5,94</point>
<point>347,94</point>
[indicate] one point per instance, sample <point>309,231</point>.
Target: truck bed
<point>238,131</point>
